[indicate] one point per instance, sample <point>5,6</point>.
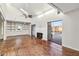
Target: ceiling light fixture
<point>59,10</point>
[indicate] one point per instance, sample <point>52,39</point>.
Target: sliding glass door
<point>55,32</point>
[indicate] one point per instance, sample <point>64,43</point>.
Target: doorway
<point>33,30</point>
<point>55,31</point>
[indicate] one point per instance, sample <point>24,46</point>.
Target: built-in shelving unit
<point>18,28</point>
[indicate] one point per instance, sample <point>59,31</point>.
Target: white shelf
<point>17,27</point>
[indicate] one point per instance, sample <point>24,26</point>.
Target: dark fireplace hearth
<point>39,35</point>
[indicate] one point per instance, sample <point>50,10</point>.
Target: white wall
<point>41,26</point>
<point>71,30</point>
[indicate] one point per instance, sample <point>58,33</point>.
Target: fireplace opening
<point>39,35</point>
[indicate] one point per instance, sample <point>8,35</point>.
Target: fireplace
<point>39,35</point>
